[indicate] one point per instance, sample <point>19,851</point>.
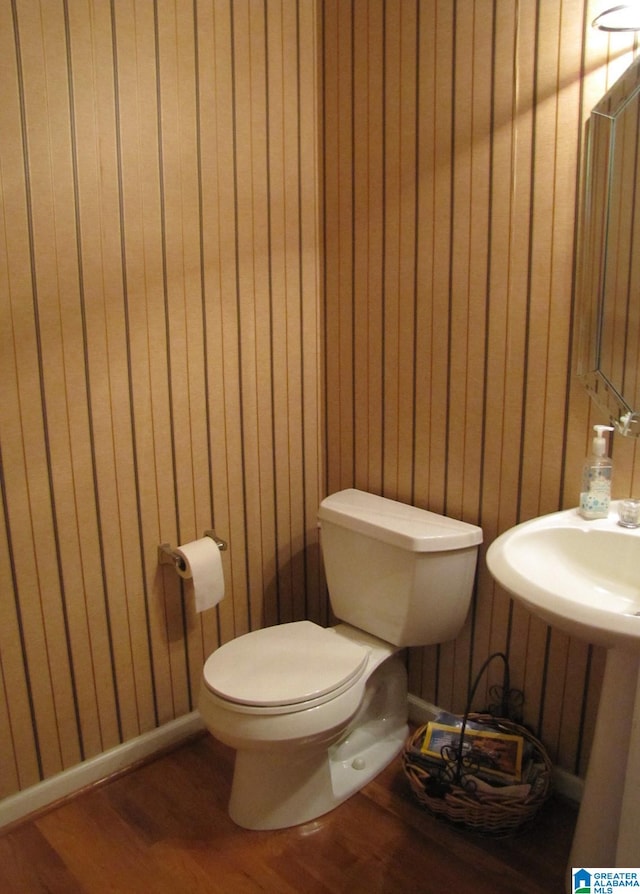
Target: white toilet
<point>313,713</point>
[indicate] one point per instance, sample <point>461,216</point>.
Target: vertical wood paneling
<point>138,243</point>
<point>89,51</point>
<point>182,184</point>
<point>337,162</point>
<point>368,210</point>
<point>25,721</point>
<point>47,470</point>
<point>311,240</point>
<point>159,291</point>
<point>219,276</point>
<point>479,125</point>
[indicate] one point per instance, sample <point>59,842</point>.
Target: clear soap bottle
<point>596,477</point>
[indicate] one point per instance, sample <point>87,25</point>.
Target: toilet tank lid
<point>407,527</point>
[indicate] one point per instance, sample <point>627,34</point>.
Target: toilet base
<point>278,789</point>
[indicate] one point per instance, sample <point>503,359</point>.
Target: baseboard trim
<point>68,782</point>
<point>121,757</point>
<point>567,784</point>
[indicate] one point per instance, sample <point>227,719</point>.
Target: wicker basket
<point>495,816</point>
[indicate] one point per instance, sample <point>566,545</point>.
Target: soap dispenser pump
<point>596,477</point>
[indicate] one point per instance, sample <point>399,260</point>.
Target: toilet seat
<point>285,668</point>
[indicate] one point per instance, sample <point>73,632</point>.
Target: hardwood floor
<point>164,828</point>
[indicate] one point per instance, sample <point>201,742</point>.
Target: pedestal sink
<point>584,578</point>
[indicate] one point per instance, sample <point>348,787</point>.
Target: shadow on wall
<point>287,596</point>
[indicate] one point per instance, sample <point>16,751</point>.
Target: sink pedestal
<point>608,828</point>
<point>582,576</point>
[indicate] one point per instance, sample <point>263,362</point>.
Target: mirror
<point>609,261</point>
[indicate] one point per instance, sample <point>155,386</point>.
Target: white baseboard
<point>66,783</point>
<point>564,783</point>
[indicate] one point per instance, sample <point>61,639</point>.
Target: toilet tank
<point>398,572</point>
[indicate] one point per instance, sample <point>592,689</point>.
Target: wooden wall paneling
<point>105,337</point>
<point>163,262</point>
<point>590,702</point>
<point>537,393</point>
<point>176,149</point>
<point>368,209</point>
<point>470,205</point>
<point>502,371</point>
<point>311,152</point>
<point>509,624</point>
<point>555,663</point>
<point>44,87</point>
<point>592,87</point>
<point>338,236</point>
<point>427,331</point>
<point>280,215</point>
<point>441,250</point>
<point>292,457</point>
<point>284,278</point>
<point>392,300</point>
<point>560,287</point>
<point>544,404</point>
<point>132,243</point>
<point>406,73</point>
<point>632,488</point>
<point>522,81</point>
<point>90,86</point>
<point>548,339</point>
<point>9,781</point>
<point>408,168</point>
<point>18,740</point>
<point>344,257</point>
<point>329,106</point>
<point>623,451</point>
<point>576,682</point>
<point>435,161</point>
<point>21,411</point>
<point>265,596</point>
<point>142,276</point>
<point>182,265</point>
<point>216,161</point>
<point>576,441</point>
<point>144,177</point>
<point>254,321</point>
<point>469,237</point>
<point>227,176</point>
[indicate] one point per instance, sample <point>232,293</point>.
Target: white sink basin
<point>581,576</point>
<point>584,577</point>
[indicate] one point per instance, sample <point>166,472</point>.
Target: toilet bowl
<point>306,741</point>
<point>315,713</point>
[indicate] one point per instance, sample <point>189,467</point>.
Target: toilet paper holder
<point>168,556</point>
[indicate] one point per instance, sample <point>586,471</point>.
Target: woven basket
<point>496,816</point>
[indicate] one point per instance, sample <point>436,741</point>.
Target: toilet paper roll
<point>203,566</point>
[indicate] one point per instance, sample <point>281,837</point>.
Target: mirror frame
<point>595,249</point>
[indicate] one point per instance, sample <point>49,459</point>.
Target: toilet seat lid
<point>284,665</point>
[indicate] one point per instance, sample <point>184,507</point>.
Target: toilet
<point>315,713</point>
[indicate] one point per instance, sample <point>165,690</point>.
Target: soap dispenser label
<point>596,494</point>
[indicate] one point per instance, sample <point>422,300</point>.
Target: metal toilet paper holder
<point>168,556</point>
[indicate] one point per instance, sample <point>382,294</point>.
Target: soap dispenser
<point>596,477</point>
